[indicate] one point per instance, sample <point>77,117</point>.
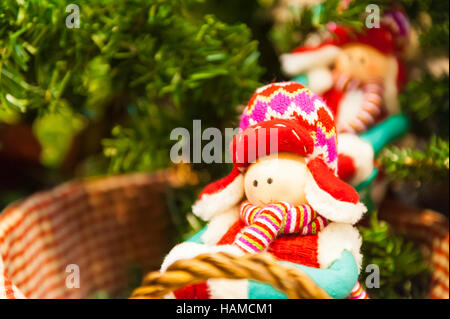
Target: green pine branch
<point>135,68</point>
<point>304,20</point>
<point>403,270</point>
<point>435,38</point>
<point>426,101</point>
<point>431,163</point>
<point>307,19</point>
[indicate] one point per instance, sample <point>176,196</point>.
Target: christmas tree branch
<point>138,67</point>
<point>401,261</point>
<point>431,163</point>
<point>426,101</point>
<point>307,19</point>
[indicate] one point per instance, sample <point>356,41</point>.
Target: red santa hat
<point>390,38</point>
<point>300,122</point>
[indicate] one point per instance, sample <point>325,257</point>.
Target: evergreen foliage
<point>402,269</point>
<point>150,66</point>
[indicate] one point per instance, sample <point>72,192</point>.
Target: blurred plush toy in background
<point>359,76</point>
<point>286,200</point>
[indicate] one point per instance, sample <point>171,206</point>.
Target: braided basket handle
<point>261,267</point>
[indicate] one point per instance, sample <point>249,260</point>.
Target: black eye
<point>255,183</point>
<point>269,180</point>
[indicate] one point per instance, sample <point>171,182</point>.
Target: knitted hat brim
<point>330,196</point>
<point>269,137</point>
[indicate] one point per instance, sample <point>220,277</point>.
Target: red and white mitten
<point>356,158</point>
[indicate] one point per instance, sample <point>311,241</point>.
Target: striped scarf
<point>266,223</point>
<point>358,292</point>
<point>371,107</point>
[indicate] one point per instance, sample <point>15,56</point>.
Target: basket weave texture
<point>261,267</point>
<point>105,224</point>
<point>428,228</point>
<point>102,226</point>
<point>431,230</point>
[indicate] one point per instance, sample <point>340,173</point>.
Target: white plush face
<point>362,62</point>
<point>275,178</point>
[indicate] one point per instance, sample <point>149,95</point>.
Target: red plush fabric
<point>346,167</point>
<point>332,98</point>
<point>340,37</point>
<point>291,137</point>
<point>197,291</point>
<point>297,249</point>
<point>230,235</point>
<point>378,38</point>
<point>309,48</point>
<point>293,248</point>
<point>402,76</point>
<point>331,184</point>
<point>220,184</point>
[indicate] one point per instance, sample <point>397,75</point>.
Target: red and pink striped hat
<point>304,125</point>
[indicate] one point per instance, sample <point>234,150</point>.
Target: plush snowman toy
<point>359,76</point>
<point>284,198</point>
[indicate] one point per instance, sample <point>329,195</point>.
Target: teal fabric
<point>258,290</point>
<point>317,14</point>
<point>337,280</point>
<point>302,79</point>
<point>197,238</point>
<point>386,131</point>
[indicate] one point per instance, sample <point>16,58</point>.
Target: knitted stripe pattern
<point>291,100</point>
<point>371,107</point>
<point>266,223</point>
<point>358,292</point>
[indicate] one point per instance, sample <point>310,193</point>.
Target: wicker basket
<point>429,228</point>
<point>102,226</point>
